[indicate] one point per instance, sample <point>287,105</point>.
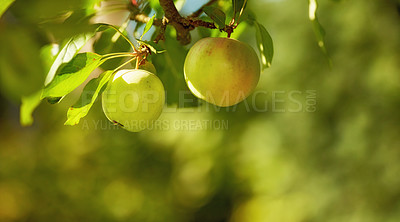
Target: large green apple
<point>222,71</point>
<point>133,99</point>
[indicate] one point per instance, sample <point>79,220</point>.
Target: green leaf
<point>264,45</point>
<point>4,4</point>
<point>155,48</point>
<point>216,15</point>
<point>72,74</point>
<point>237,7</point>
<point>88,97</point>
<point>54,100</point>
<point>70,49</point>
<point>148,26</point>
<point>318,29</point>
<point>29,104</point>
<point>48,54</point>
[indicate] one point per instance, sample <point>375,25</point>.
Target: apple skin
<point>133,99</point>
<point>221,71</point>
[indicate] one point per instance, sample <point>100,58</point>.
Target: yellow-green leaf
<point>88,97</point>
<point>4,4</point>
<point>71,75</point>
<point>148,26</point>
<point>29,103</point>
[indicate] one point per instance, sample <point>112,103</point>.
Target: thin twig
<point>161,33</point>
<point>176,20</point>
<point>241,10</point>
<point>198,22</point>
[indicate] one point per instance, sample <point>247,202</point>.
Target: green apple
<point>133,99</point>
<point>221,71</point>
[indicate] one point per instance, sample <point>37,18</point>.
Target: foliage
<point>71,68</point>
<point>273,162</point>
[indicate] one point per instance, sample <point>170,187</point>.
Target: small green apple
<point>133,99</point>
<point>221,71</point>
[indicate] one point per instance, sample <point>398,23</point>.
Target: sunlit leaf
<point>29,104</point>
<point>148,26</point>
<point>48,54</point>
<point>4,4</point>
<point>216,15</point>
<point>72,74</point>
<point>87,99</point>
<point>67,53</point>
<point>264,45</point>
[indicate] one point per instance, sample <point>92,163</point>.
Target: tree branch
<point>176,20</point>
<point>182,25</point>
<point>161,33</point>
<point>144,19</point>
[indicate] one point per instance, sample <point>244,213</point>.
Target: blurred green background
<point>339,162</point>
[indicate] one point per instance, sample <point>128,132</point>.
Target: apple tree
<point>137,55</point>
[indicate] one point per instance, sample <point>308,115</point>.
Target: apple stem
<point>130,60</point>
<point>229,29</point>
<point>137,62</point>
